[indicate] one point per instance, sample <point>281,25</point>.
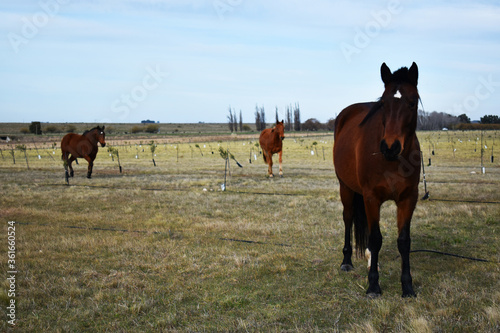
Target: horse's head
<point>100,135</point>
<point>398,106</point>
<point>280,128</point>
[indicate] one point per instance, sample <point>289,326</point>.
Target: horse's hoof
<point>374,291</point>
<point>346,267</point>
<point>409,294</point>
<point>271,176</point>
<point>373,295</point>
<point>281,176</point>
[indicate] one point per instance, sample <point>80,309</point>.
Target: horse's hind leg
<point>65,162</point>
<point>347,198</point>
<point>269,159</point>
<point>71,172</point>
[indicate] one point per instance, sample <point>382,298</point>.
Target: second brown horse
<point>84,146</point>
<point>271,142</point>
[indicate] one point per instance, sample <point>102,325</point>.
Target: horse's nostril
<point>396,147</point>
<point>390,153</point>
<point>383,146</point>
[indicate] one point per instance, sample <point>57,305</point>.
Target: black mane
<point>90,130</point>
<point>401,76</point>
<point>377,106</point>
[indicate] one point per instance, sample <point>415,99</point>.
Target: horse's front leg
<point>280,160</point>
<point>270,165</point>
<point>405,212</point>
<point>91,164</point>
<point>372,208</point>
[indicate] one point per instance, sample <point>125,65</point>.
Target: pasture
<point>163,248</point>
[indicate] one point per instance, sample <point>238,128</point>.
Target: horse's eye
<point>412,103</point>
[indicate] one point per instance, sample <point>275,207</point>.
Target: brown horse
<point>271,142</point>
<point>377,158</point>
<point>84,145</point>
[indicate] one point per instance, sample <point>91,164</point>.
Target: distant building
<point>149,122</point>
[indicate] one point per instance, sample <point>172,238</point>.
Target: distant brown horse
<point>84,146</point>
<point>377,158</point>
<point>271,142</point>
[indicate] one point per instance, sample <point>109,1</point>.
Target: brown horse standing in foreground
<point>271,142</point>
<point>84,146</point>
<point>377,158</point>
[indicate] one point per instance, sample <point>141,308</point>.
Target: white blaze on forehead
<point>397,94</point>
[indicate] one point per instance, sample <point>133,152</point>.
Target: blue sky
<point>179,61</point>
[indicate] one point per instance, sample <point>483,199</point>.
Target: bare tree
<point>230,120</point>
<point>296,116</point>
<point>288,118</point>
<point>262,119</point>
<point>241,122</point>
<point>435,120</point>
<point>257,118</point>
<point>235,121</point>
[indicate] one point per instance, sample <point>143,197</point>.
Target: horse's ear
<point>103,127</point>
<point>413,74</point>
<point>386,74</point>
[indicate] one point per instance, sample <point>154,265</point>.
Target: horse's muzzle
<point>103,144</point>
<point>390,153</point>
<point>282,138</point>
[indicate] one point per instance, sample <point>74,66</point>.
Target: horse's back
<point>351,116</point>
<point>66,140</point>
<point>348,133</point>
<point>72,143</point>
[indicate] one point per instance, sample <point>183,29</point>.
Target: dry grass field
<point>163,249</point>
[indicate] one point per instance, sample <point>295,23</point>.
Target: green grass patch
<point>159,248</point>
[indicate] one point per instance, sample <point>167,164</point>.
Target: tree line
<point>425,121</point>
<point>291,119</point>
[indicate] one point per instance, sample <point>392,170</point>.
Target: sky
<point>173,61</point>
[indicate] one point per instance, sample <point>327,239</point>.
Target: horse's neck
<point>91,137</point>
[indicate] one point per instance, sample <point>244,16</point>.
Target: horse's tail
<point>360,225</point>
